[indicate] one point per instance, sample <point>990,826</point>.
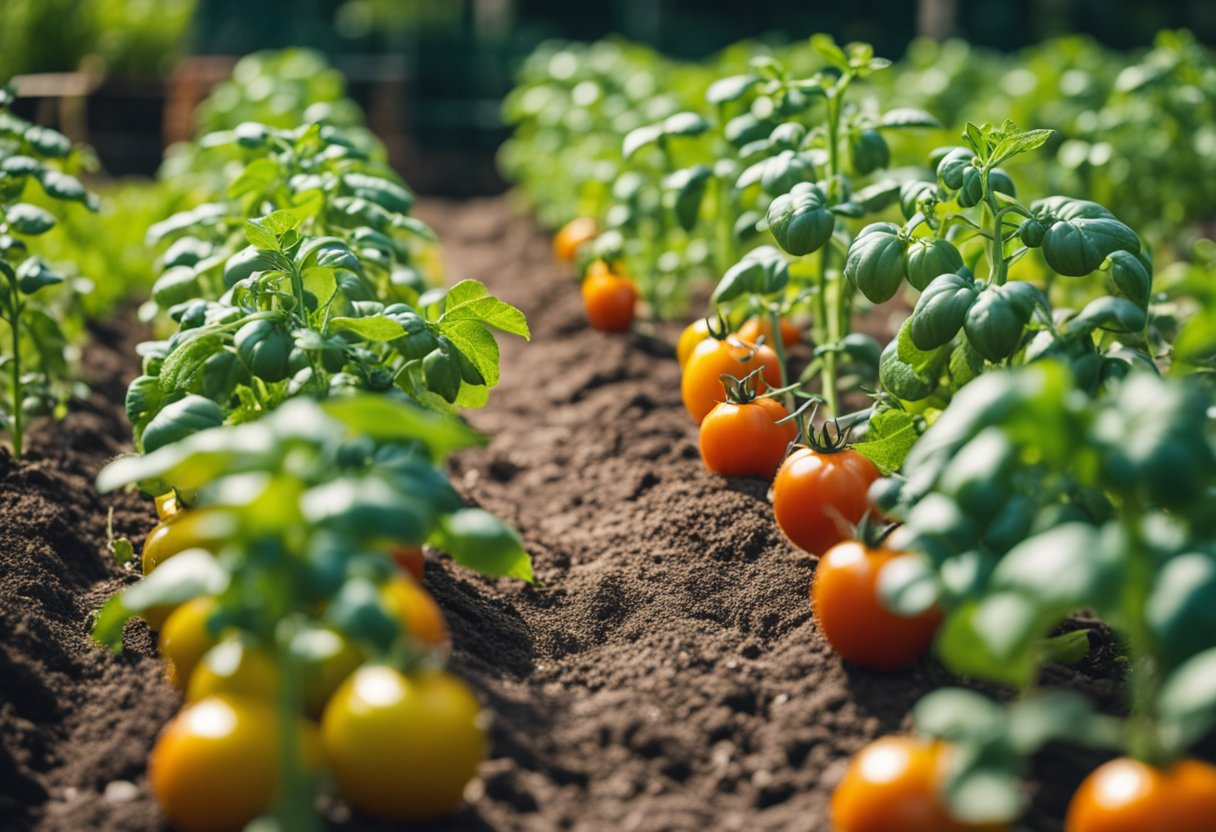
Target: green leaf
<point>389,420</point>
<point>762,271</point>
<point>1180,610</point>
<point>827,49</point>
<point>1111,314</point>
<point>1076,247</point>
<point>482,542</point>
<point>182,367</point>
<point>187,575</point>
<point>800,220</point>
<point>34,274</point>
<point>683,192</point>
<point>1129,277</point>
<point>905,117</point>
<point>60,185</point>
<point>639,138</point>
<point>468,300</point>
<point>377,328</point>
<point>257,177</point>
<point>992,639</point>
<point>731,88</point>
<point>180,419</point>
<point>29,219</point>
<point>957,714</point>
<point>1066,567</point>
<point>1187,702</point>
<point>908,585</point>
<point>476,343</point>
<point>907,371</point>
<point>1018,143</point>
<point>891,434</point>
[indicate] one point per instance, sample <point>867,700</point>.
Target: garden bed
<point>665,673</point>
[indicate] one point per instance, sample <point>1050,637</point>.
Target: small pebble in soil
<point>121,791</point>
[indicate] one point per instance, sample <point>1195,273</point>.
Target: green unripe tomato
<point>869,152</point>
<point>265,348</point>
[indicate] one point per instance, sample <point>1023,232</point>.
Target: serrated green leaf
<point>889,438</point>
<point>378,328</point>
<point>477,343</point>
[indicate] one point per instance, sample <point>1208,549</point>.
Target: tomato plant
<point>35,333</point>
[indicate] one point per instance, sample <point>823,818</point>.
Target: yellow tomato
<point>236,669</point>
<point>328,658</point>
<point>185,529</point>
<point>215,766</point>
<point>184,639</point>
<point>693,334</point>
<point>381,724</point>
<point>167,505</point>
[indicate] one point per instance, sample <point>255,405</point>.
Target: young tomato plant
<point>304,505</point>
<point>1028,500</point>
<point>35,334</point>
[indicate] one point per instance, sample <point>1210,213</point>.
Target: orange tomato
<point>572,235</point>
<point>701,385</point>
<point>215,766</point>
<point>819,496</point>
<point>851,615</point>
<point>754,327</point>
<point>403,747</point>
<point>409,559</point>
<point>234,668</point>
<point>893,785</point>
<point>693,334</point>
<point>743,440</point>
<point>1126,795</point>
<point>407,601</point>
<point>610,301</point>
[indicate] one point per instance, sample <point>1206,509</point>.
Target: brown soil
<point>665,673</point>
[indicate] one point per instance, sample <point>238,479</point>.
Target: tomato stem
<point>18,395</point>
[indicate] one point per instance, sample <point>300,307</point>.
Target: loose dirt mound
<point>665,674</point>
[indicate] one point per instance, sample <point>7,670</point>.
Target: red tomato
<point>701,385</point>
<point>819,496</point>
<point>572,235</point>
<point>851,615</point>
<point>743,440</point>
<point>893,785</point>
<point>1126,795</point>
<point>409,559</point>
<point>610,300</point>
<point>753,328</point>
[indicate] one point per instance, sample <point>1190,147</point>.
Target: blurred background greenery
<point>431,73</point>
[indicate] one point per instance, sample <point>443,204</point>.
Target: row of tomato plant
<point>292,421</point>
<point>1028,445</point>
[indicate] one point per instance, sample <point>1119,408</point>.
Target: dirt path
<point>665,675</point>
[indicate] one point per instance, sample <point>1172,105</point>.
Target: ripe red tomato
<point>1126,795</point>
<point>572,235</point>
<point>214,767</point>
<point>818,496</point>
<point>403,747</point>
<point>893,785</point>
<point>754,327</point>
<point>701,384</point>
<point>851,615</point>
<point>610,301</point>
<point>743,440</point>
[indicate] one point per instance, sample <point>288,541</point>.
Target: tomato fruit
<point>327,659</point>
<point>214,767</point>
<point>852,617</point>
<point>233,668</point>
<point>184,639</point>
<point>1126,795</point>
<point>754,327</point>
<point>403,747</point>
<point>610,301</point>
<point>893,785</point>
<point>743,440</point>
<point>410,559</point>
<point>819,495</point>
<point>416,609</point>
<point>701,385</point>
<point>693,334</point>
<point>572,235</point>
<point>185,529</point>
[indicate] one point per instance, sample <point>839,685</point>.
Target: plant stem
<point>831,313</point>
<point>18,394</point>
<point>774,318</point>
<point>1000,269</point>
<point>1143,741</point>
<point>293,804</point>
